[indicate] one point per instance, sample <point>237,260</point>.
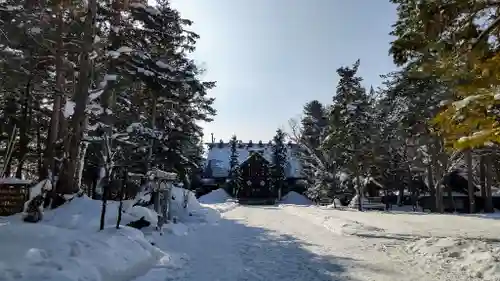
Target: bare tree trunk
<point>358,179</point>
<point>482,175</point>
<point>470,179</point>
<point>23,130</point>
<point>81,162</point>
<point>446,163</point>
<point>49,162</point>
<point>430,183</point>
<point>153,126</point>
<point>39,149</point>
<point>438,186</point>
<point>81,98</point>
<point>488,204</point>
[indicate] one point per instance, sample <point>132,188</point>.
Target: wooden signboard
<point>13,195</point>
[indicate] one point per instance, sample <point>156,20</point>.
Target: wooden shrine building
<point>255,162</point>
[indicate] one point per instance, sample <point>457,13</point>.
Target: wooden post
<point>482,175</point>
<point>121,194</point>
<point>358,181</point>
<point>168,195</point>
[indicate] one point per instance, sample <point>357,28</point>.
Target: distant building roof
<point>219,154</point>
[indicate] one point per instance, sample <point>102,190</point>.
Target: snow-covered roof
<point>219,154</point>
<point>14,181</point>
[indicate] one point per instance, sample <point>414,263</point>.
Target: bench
<point>371,203</point>
<point>325,202</point>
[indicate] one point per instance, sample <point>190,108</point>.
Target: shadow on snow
<point>233,251</point>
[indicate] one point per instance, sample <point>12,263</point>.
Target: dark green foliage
<point>235,179</point>
<point>279,163</point>
<point>313,123</point>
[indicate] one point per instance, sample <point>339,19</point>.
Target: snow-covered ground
<point>212,241</point>
<point>67,245</point>
<point>442,244</point>
<point>214,197</point>
<point>218,200</point>
<point>270,243</point>
<point>295,198</point>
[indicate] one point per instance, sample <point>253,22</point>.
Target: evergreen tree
<point>313,123</point>
<point>313,127</point>
<point>233,159</point>
<point>123,77</point>
<point>350,120</point>
<point>235,179</point>
<point>278,176</point>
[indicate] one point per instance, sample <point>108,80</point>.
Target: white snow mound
<point>218,200</point>
<point>223,207</point>
<point>186,208</point>
<point>477,259</point>
<point>295,198</point>
<point>41,251</point>
<point>85,213</point>
<point>215,197</point>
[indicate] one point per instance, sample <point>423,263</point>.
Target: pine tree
<point>137,88</point>
<point>313,123</point>
<point>349,123</point>
<point>315,166</point>
<point>235,179</point>
<point>278,176</point>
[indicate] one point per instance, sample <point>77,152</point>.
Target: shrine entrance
<point>255,172</point>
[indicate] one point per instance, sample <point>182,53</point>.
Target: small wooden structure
<point>256,185</point>
<point>162,187</point>
<point>13,194</point>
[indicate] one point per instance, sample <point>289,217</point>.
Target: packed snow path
<point>269,243</point>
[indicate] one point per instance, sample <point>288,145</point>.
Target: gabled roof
<point>219,154</point>
<point>254,155</point>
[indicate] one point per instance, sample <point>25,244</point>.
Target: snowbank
<point>178,229</point>
<point>475,258</point>
<point>295,198</point>
<point>42,251</point>
<point>85,213</point>
<point>215,197</point>
<point>223,207</point>
<point>406,224</point>
<point>337,225</point>
<point>218,200</point>
<point>67,245</point>
<point>186,208</point>
<point>467,245</point>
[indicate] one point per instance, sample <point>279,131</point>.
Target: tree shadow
<point>234,251</point>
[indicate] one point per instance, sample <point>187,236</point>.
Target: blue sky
<point>269,57</point>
